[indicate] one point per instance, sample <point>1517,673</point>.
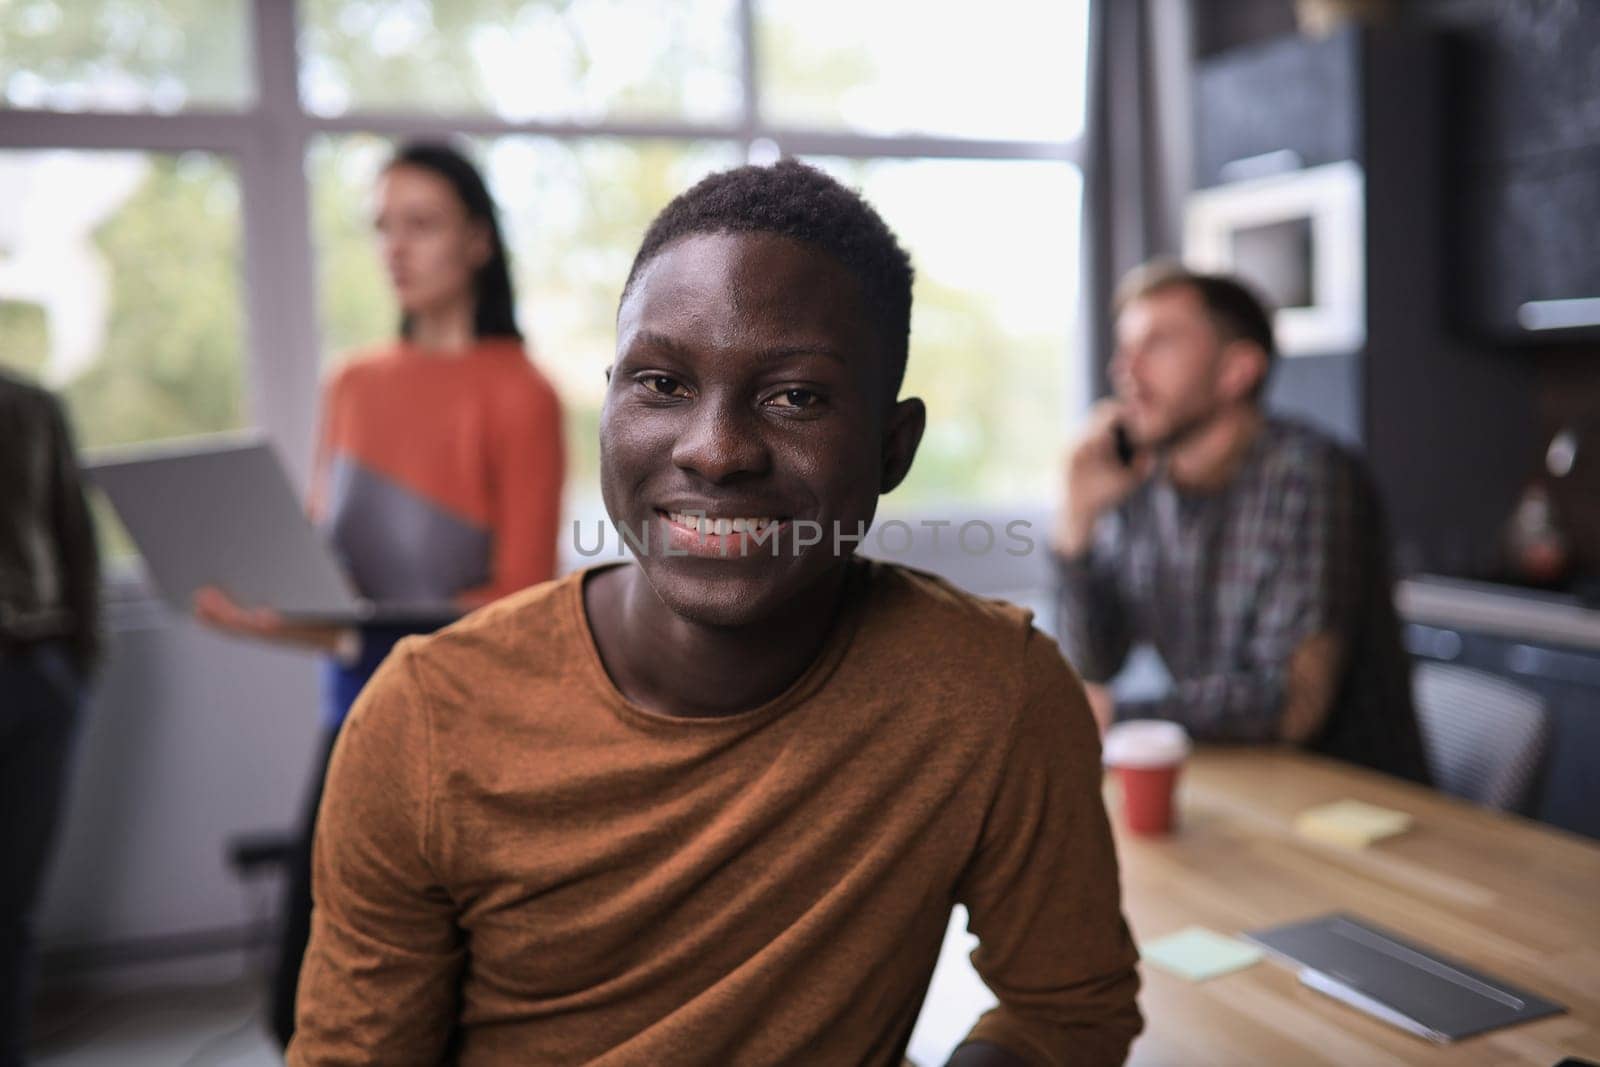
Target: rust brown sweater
<point>516,865</point>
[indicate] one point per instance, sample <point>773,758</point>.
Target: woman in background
<point>438,466</point>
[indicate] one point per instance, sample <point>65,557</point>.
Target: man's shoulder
<point>983,658</point>
<point>519,389</point>
<point>1293,444</point>
<point>957,640</point>
<point>512,643</point>
<point>929,601</point>
<point>24,393</point>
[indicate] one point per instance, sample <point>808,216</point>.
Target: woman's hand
<point>214,607</point>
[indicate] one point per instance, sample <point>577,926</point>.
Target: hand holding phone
<point>1122,441</point>
<point>1103,465</point>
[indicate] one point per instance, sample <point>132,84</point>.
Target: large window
<point>1002,69</point>
<point>184,235</point>
<point>994,244</point>
<point>124,55</point>
<point>119,285</point>
<point>586,60</point>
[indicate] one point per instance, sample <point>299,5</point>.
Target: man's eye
<point>796,398</point>
<point>663,385</point>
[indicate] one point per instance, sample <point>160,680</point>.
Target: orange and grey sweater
<point>439,477</point>
<point>515,864</point>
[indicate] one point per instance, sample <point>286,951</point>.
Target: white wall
<point>189,739</point>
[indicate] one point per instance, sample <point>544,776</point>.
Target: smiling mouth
<point>722,537</point>
<point>708,525</point>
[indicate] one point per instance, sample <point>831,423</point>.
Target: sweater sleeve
<point>379,983</point>
<point>1313,587</point>
<point>1042,892</point>
<point>526,468</point>
<point>1090,615</point>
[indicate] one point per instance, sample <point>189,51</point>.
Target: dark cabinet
<point>1524,121</point>
<point>1527,79</point>
<point>1295,94</point>
<point>1532,269</point>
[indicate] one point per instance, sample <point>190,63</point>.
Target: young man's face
<point>750,387</point>
<point>1169,366</point>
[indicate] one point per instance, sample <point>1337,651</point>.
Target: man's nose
<point>721,439</point>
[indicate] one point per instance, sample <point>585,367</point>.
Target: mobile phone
<point>1122,441</point>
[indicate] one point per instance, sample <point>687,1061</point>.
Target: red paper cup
<point>1147,756</point>
<point>1147,793</point>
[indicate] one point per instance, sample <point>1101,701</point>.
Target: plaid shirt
<point>1226,585</point>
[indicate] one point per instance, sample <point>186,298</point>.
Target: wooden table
<point>1508,896</point>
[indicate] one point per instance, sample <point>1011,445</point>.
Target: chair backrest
<point>1485,737</point>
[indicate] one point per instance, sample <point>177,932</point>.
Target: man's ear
<point>1244,366</point>
<point>901,437</point>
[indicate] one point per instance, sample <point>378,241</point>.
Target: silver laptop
<point>220,511</point>
<point>1397,981</point>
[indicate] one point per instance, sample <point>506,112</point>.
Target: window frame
<point>267,141</point>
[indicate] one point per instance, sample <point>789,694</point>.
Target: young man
<point>1248,550</point>
<point>714,807</point>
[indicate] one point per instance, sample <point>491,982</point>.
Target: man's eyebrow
<point>793,351</point>
<point>655,339</point>
<point>659,340</point>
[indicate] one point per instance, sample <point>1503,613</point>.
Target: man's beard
<point>1187,427</point>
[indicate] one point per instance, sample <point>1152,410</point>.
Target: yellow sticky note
<point>1351,823</point>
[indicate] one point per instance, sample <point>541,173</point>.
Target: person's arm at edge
<point>1086,544</point>
<point>379,983</point>
<point>1091,619</point>
<point>1045,876</point>
<point>80,555</point>
<point>1271,703</point>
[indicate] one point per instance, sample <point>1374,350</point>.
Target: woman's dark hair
<point>496,313</point>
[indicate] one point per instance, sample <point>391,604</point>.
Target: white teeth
<point>704,524</point>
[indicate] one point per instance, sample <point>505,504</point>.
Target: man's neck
<point>1207,459</point>
<point>669,664</point>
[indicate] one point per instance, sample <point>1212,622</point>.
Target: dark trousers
<point>41,695</point>
<point>295,931</point>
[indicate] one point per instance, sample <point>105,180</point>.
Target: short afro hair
<point>794,200</point>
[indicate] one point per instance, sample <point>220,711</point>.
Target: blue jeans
<point>41,697</point>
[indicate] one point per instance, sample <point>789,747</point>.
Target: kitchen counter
<point>1503,611</point>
